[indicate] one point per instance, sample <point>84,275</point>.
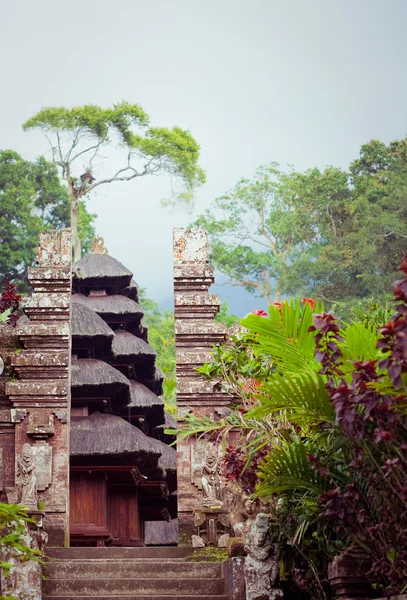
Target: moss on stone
<point>208,554</point>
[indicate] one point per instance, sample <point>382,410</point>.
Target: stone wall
<point>195,334</point>
<point>34,415</point>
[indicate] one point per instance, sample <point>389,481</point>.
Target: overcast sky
<point>293,81</point>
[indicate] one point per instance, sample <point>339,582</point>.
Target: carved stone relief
<point>26,479</point>
<point>205,471</point>
<point>42,456</point>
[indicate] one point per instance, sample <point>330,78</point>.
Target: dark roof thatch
<point>111,306</point>
<point>159,431</point>
<point>170,421</point>
<point>155,383</point>
<point>142,397</point>
<point>109,435</point>
<point>127,346</point>
<point>95,378</point>
<point>87,324</point>
<point>105,434</point>
<point>143,405</point>
<point>100,270</point>
<point>131,291</point>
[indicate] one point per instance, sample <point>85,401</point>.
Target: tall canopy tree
<point>339,235</point>
<point>32,198</point>
<point>78,136</point>
<point>260,235</point>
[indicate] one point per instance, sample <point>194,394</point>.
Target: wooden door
<point>88,508</point>
<point>124,515</point>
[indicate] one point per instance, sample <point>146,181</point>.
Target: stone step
<point>136,597</point>
<point>130,568</point>
<point>132,587</point>
<point>158,552</point>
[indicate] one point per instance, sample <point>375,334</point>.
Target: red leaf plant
<point>9,299</point>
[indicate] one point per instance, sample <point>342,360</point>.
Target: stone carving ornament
<point>26,479</point>
<point>211,485</point>
<point>261,564</point>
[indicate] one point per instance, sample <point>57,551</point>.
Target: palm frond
<point>285,335</point>
<point>286,468</point>
<point>360,342</point>
<point>301,399</point>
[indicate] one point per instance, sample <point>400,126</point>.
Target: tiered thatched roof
<point>131,348</point>
<point>131,291</point>
<point>115,307</point>
<point>96,271</point>
<point>144,404</point>
<point>95,378</point>
<point>155,383</point>
<point>159,431</point>
<point>109,435</point>
<point>88,329</point>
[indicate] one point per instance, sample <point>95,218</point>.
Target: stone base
<point>235,585</point>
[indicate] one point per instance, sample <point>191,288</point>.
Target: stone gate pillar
<point>40,396</point>
<point>195,334</point>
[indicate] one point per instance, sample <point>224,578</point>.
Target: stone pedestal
<point>347,574</point>
<point>212,524</point>
<point>39,397</point>
<point>195,334</point>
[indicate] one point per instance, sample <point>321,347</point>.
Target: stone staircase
<point>161,573</point>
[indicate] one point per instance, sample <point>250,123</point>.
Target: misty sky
<point>293,81</point>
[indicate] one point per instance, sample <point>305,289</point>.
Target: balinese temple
<point>122,469</point>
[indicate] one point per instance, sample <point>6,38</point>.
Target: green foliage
<point>161,337</point>
<point>334,234</point>
<point>224,316</point>
<point>13,521</point>
<point>258,235</point>
<point>288,418</point>
<point>79,135</point>
<point>171,150</point>
<point>31,199</point>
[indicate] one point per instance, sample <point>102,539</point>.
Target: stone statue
<point>26,479</point>
<point>261,565</point>
<point>243,520</point>
<point>210,477</point>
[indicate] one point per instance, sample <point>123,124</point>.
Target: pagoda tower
<point>122,470</point>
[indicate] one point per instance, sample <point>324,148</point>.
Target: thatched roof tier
<point>155,383</point>
<point>108,435</point>
<point>131,291</point>
<point>93,378</point>
<point>113,309</point>
<point>128,347</point>
<point>159,431</point>
<point>100,271</point>
<point>88,329</point>
<point>143,405</point>
<point>142,398</point>
<point>145,410</point>
<point>105,435</point>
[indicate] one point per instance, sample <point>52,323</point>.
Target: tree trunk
<point>76,242</point>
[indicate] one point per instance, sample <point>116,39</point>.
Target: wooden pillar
<point>40,396</point>
<point>195,334</point>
